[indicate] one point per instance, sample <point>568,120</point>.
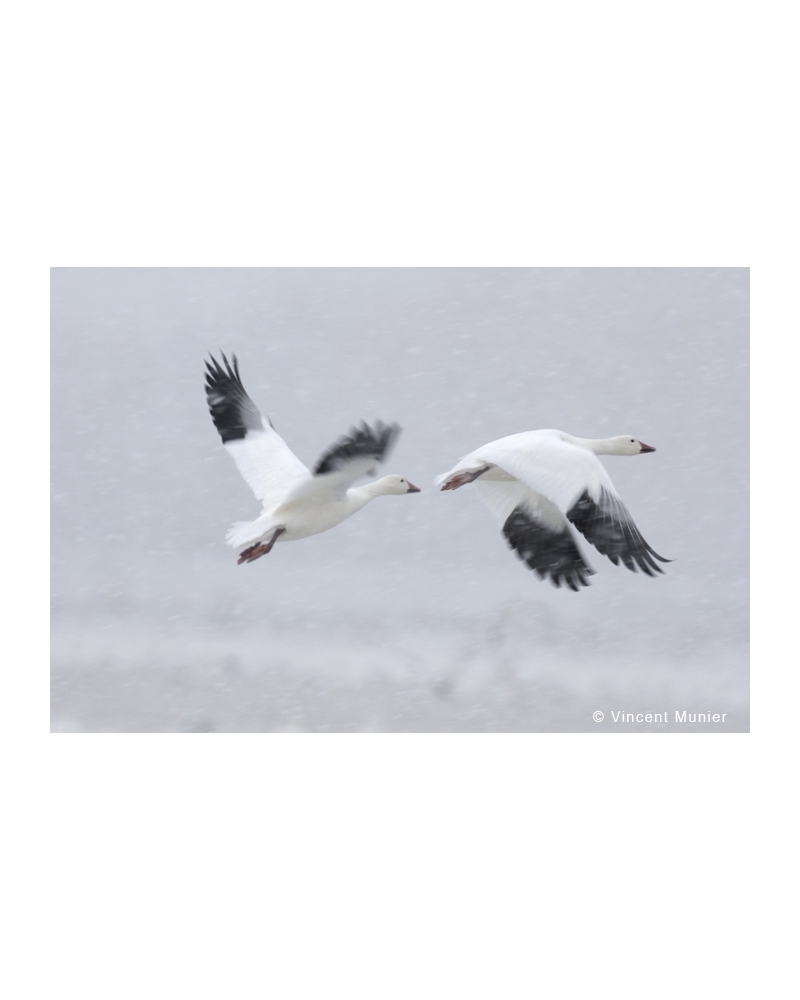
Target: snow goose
<point>539,482</point>
<point>296,503</point>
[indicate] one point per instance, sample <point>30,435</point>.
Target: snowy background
<point>413,615</point>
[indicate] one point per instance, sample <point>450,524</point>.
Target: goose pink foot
<point>259,549</point>
<point>463,478</point>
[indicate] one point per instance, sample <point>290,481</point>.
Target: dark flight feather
<point>548,553</point>
<point>610,528</point>
<point>361,442</point>
<point>233,412</point>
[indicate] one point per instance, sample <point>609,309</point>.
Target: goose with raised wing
<point>538,483</point>
<point>296,502</point>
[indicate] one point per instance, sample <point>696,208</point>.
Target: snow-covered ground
<point>142,681</point>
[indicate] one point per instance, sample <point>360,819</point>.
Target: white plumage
<point>296,503</point>
<point>538,483</point>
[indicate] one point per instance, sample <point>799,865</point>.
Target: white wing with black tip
<point>537,532</point>
<point>265,461</point>
<point>606,523</point>
<point>360,450</point>
<point>549,550</point>
<point>355,455</point>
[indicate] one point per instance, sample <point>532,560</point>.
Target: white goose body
<point>303,514</point>
<point>296,503</point>
<point>538,483</point>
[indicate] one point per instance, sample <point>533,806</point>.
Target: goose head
<point>623,444</point>
<point>395,485</point>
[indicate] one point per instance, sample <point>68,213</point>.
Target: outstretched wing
<point>545,549</point>
<point>607,524</point>
<point>269,467</point>
<point>362,447</point>
<point>356,454</point>
<point>537,532</point>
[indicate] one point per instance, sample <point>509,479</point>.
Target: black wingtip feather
<point>548,553</point>
<point>233,412</point>
<point>608,526</point>
<point>360,442</point>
